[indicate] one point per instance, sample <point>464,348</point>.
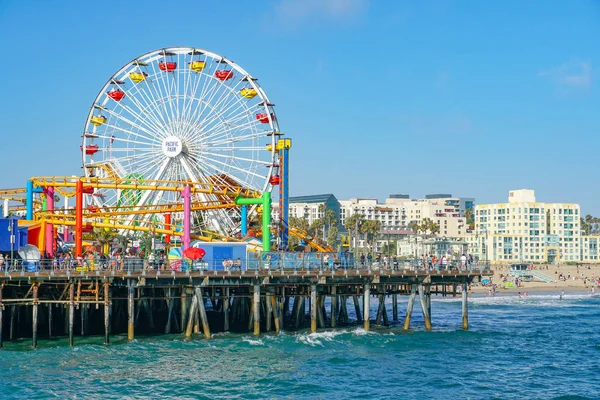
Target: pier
<point>66,303</point>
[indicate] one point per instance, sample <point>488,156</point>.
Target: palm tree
<point>123,242</point>
<point>103,237</point>
<point>353,224</point>
<point>371,228</point>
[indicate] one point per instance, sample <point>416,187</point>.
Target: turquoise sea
<point>539,347</point>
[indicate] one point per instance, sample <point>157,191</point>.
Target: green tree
<point>469,217</point>
<point>103,237</point>
<point>123,242</point>
<point>300,223</point>
<point>353,224</point>
<point>371,228</point>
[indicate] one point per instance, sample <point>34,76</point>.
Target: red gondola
<point>90,149</point>
<point>87,229</point>
<point>264,118</point>
<point>93,209</point>
<point>167,66</point>
<point>224,74</point>
<point>116,95</point>
<point>275,180</point>
<point>88,190</point>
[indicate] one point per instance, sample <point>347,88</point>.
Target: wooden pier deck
<point>60,303</point>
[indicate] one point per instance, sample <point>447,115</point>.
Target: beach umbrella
<point>194,253</point>
<point>30,253</point>
<point>485,281</point>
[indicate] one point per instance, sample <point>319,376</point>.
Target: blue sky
<point>472,98</point>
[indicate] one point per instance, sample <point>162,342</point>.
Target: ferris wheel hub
<point>172,146</point>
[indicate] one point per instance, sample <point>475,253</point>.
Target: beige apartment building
<point>525,230</point>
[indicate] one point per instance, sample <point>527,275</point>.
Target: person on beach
<point>519,296</point>
<point>562,294</point>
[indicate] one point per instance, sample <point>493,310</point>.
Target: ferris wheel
<point>181,114</point>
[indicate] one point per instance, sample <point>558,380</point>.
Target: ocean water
<point>537,347</point>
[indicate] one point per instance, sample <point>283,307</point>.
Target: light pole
<point>12,238</point>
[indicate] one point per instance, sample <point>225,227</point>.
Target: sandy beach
<point>579,279</point>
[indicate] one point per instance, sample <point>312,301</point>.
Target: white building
<point>525,230</point>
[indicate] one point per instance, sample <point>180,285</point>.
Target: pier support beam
<point>423,298</point>
<point>130,310</point>
<point>226,311</point>
<point>357,309</point>
<point>202,310</point>
<point>50,320</point>
<point>71,311</point>
<point>313,308</point>
<point>333,305</point>
<point>256,310</point>
<point>268,312</point>
<point>190,320</point>
<point>184,308</point>
<point>465,311</point>
<point>367,306</point>
<point>276,313</point>
<point>106,313</point>
<point>395,307</point>
<point>34,319</point>
<point>1,317</point>
<point>409,307</point>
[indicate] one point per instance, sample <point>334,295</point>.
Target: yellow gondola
<point>98,120</point>
<point>137,77</point>
<point>248,93</point>
<point>197,66</point>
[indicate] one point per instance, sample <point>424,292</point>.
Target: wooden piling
<point>395,307</point>
<point>226,311</point>
<point>298,310</point>
<point>269,311</point>
<point>333,305</point>
<point>183,308</point>
<point>1,317</point>
<point>13,314</point>
<point>202,310</point>
<point>106,313</point>
<point>34,319</point>
<point>313,308</point>
<point>50,320</point>
<point>426,315</point>
<point>409,307</point>
<point>366,305</point>
<point>130,310</point>
<point>276,311</point>
<point>465,311</point>
<point>256,309</point>
<point>71,311</point>
<point>191,317</point>
<point>357,309</point>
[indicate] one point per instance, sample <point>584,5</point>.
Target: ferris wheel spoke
<point>128,132</point>
<point>244,171</point>
<point>148,120</point>
<point>241,180</point>
<point>219,137</point>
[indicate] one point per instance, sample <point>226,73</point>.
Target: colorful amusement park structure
<point>178,142</point>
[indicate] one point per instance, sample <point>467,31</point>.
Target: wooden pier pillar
<point>276,313</point>
<point>226,311</point>
<point>34,319</point>
<point>313,308</point>
<point>343,316</point>
<point>106,313</point>
<point>298,309</point>
<point>130,310</point>
<point>202,310</point>
<point>333,305</point>
<point>357,309</point>
<point>256,309</point>
<point>426,316</point>
<point>1,317</point>
<point>409,307</point>
<point>268,311</point>
<point>13,315</point>
<point>465,311</point>
<point>184,308</point>
<point>71,311</point>
<point>366,306</point>
<point>49,320</point>
<point>395,307</point>
<point>191,317</point>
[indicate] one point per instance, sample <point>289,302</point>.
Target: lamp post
<point>12,238</point>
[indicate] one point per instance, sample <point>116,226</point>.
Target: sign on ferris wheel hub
<point>172,146</point>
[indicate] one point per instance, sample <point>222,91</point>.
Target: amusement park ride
<point>180,142</point>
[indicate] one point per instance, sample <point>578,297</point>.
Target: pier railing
<point>254,262</point>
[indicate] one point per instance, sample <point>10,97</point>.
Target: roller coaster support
<point>79,219</point>
<point>168,227</point>
<point>265,201</point>
<point>244,220</point>
<point>283,146</point>
<point>49,191</point>
<point>29,195</point>
<point>186,194</point>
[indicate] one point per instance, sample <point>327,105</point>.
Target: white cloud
<point>577,74</point>
<point>297,11</point>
